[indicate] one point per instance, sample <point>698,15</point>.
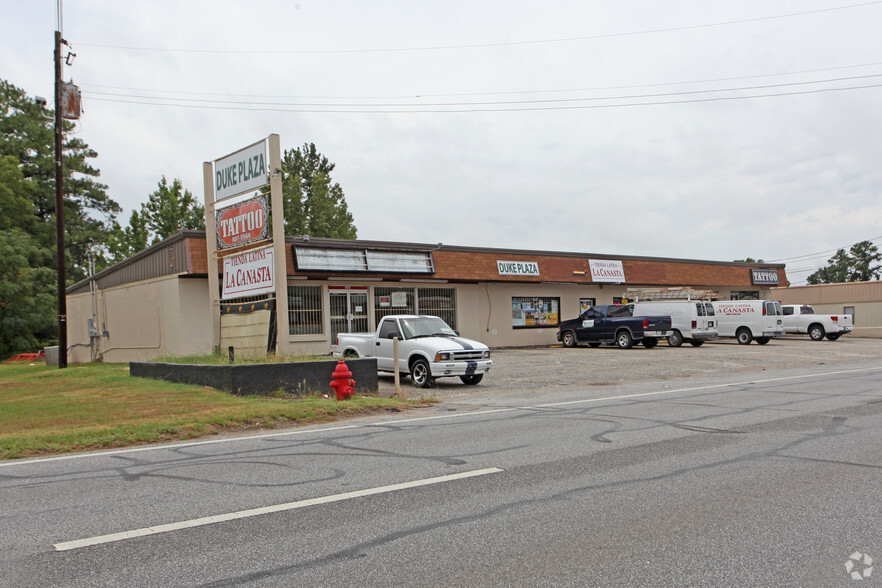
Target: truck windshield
<point>425,327</point>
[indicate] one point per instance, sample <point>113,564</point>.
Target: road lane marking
<point>253,512</point>
<point>700,388</point>
<point>406,420</point>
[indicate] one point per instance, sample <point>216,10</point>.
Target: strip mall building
<point>157,303</point>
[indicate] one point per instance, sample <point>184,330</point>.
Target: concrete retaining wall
<point>263,378</point>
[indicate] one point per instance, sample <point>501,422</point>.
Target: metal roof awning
<point>362,260</point>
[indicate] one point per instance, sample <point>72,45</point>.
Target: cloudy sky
<point>685,128</point>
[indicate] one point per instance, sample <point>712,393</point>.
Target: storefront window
<point>745,295</point>
<point>586,303</point>
<point>392,301</point>
<point>305,310</point>
<point>439,302</point>
<point>535,312</point>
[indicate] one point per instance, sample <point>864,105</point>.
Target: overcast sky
<point>685,129</point>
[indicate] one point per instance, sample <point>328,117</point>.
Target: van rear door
<point>711,318</point>
<point>773,317</point>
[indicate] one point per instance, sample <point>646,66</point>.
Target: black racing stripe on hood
<point>462,342</point>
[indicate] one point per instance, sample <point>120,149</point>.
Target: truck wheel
<point>696,343</point>
<point>472,380</point>
<point>762,340</point>
<point>350,354</point>
<point>816,332</point>
<point>568,339</point>
<point>832,336</point>
<point>675,339</point>
<point>624,340</point>
<point>420,374</point>
<point>650,342</point>
<point>744,336</point>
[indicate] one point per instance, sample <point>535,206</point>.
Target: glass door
<point>349,312</point>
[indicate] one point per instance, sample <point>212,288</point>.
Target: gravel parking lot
<point>557,368</point>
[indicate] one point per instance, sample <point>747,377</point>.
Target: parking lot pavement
<point>528,369</point>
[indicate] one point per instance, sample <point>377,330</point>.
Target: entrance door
<point>348,312</point>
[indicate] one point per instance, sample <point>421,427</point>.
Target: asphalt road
<point>539,370</point>
<point>731,468</point>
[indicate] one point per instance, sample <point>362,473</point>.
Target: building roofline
<point>188,234</point>
<point>365,244</point>
<point>409,246</point>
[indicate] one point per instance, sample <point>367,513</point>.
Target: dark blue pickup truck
<point>614,324</point>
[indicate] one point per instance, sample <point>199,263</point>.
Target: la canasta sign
<point>249,274</point>
<point>242,224</point>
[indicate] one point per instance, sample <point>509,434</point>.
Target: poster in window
<point>517,315</point>
<point>399,299</point>
<point>535,312</point>
<point>585,304</point>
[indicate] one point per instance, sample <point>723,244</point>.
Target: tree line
<point>314,205</point>
<point>859,264</point>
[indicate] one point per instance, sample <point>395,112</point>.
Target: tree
<point>170,210</point>
<point>856,265</point>
<point>28,305</point>
<point>16,209</point>
<point>749,260</point>
<point>126,242</point>
<point>314,204</point>
<point>29,137</point>
<point>27,294</point>
<point>864,255</point>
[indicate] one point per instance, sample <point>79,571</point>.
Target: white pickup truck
<point>427,349</point>
<point>801,318</point>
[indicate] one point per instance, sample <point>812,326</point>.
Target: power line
<point>421,109</point>
<point>485,45</point>
<point>517,102</point>
<point>827,252</point>
<point>504,92</point>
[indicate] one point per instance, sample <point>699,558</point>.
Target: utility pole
<point>59,212</point>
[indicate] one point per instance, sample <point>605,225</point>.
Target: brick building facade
<point>157,304</point>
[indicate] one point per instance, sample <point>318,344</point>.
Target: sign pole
<point>211,251</point>
<point>280,255</point>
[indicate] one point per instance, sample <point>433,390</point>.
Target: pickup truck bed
<point>427,349</point>
<point>614,324</point>
<point>801,318</point>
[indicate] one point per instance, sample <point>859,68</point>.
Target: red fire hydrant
<point>342,384</point>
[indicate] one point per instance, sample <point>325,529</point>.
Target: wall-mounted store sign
<point>764,277</point>
<point>241,171</point>
<point>249,274</point>
<point>605,270</point>
<point>242,224</point>
<point>518,268</point>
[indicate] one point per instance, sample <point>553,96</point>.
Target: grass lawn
<point>46,410</point>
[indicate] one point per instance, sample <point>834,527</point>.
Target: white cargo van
<point>749,320</point>
<point>691,320</point>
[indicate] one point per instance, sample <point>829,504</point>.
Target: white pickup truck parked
<point>801,318</point>
<point>427,349</point>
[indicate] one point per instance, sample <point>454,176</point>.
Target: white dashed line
<point>253,512</point>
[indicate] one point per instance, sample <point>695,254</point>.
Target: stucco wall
<point>162,317</point>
